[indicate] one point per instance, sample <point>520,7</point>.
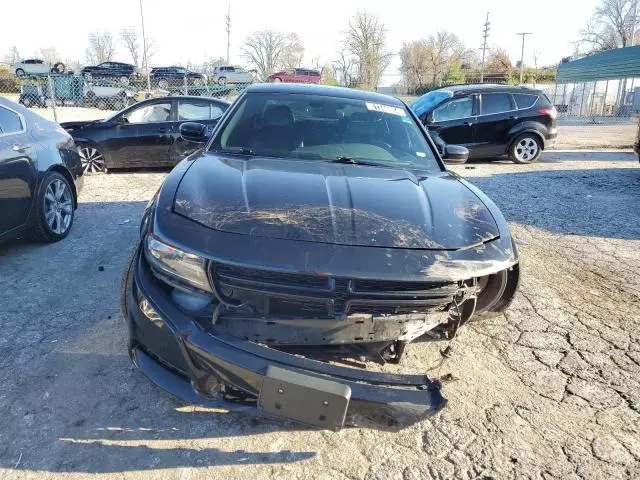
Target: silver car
<point>35,66</point>
<point>231,74</point>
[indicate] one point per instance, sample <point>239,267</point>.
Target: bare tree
<point>101,47</point>
<point>366,41</point>
<point>612,25</point>
<point>292,53</point>
<point>499,66</point>
<point>263,50</point>
<point>426,63</point>
<point>344,68</point>
<point>49,55</point>
<point>12,57</point>
<point>129,38</point>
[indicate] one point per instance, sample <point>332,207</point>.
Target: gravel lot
<point>549,390</point>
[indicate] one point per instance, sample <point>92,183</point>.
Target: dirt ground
<point>550,390</point>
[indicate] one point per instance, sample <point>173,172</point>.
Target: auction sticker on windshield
<point>379,107</point>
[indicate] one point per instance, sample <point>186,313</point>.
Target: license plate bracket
<point>303,398</point>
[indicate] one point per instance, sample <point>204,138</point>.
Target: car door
<point>193,110</point>
<point>497,116</point>
<point>17,172</point>
<point>142,136</point>
<point>453,121</point>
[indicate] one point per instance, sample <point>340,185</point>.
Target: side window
<point>525,101</point>
<point>157,112</point>
<point>193,110</point>
<point>495,103</point>
<point>453,110</point>
<point>216,111</point>
<point>10,122</point>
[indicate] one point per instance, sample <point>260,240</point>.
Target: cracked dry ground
<point>549,390</point>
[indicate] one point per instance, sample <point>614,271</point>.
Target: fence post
<point>584,85</point>
<point>52,91</point>
<point>186,92</point>
<point>604,99</point>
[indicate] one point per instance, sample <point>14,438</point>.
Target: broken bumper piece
<point>220,370</point>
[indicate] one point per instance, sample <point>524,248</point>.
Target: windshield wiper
<point>353,161</point>
<point>238,151</point>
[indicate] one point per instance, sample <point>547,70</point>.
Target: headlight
<point>186,267</point>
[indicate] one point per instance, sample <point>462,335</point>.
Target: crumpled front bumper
<point>174,352</point>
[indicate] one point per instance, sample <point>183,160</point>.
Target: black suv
<point>164,77</point>
<point>490,120</point>
<point>124,72</point>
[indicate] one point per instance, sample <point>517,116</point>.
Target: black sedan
<point>40,176</point>
<point>165,77</point>
<point>124,72</point>
<point>146,134</point>
<point>317,223</point>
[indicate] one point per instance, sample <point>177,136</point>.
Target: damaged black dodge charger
<point>315,229</point>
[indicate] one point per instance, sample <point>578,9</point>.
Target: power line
<point>485,36</point>
<point>524,34</point>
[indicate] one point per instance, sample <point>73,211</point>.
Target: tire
<point>101,103</point>
<point>87,76</point>
<point>59,67</point>
<point>526,148</point>
<point>91,159</point>
<point>54,209</point>
<point>277,80</point>
<point>222,81</point>
<point>124,80</point>
<point>163,84</point>
<point>27,102</point>
<point>198,82</point>
<point>20,72</point>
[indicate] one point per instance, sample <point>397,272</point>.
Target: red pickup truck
<point>296,75</point>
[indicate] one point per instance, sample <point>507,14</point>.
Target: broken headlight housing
<point>177,264</point>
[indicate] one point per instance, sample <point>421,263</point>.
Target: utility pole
<point>144,49</point>
<point>635,20</point>
<point>485,35</point>
<point>524,34</point>
<point>228,22</point>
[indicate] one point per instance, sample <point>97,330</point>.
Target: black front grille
<point>290,294</point>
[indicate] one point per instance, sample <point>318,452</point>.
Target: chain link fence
<point>77,96</point>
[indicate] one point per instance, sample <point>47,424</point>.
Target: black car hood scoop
<point>318,201</point>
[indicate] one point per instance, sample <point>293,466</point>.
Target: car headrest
<point>278,116</point>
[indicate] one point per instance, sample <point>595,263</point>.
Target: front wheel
<point>124,80</point>
<point>54,209</point>
<point>277,80</point>
<point>222,81</point>
<point>526,148</point>
<point>91,159</point>
<point>163,84</point>
<point>19,72</point>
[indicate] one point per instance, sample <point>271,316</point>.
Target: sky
<point>194,30</point>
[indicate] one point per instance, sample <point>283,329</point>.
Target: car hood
<point>324,202</point>
<point>79,125</point>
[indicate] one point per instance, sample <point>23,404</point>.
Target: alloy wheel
<point>526,149</point>
<point>92,160</point>
<point>58,206</point>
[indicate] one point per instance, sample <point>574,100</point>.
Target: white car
<point>230,74</point>
<point>35,66</point>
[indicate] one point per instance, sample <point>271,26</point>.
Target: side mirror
<point>121,120</point>
<point>428,118</point>
<point>455,154</point>
<point>194,132</point>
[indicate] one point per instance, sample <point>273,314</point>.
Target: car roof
<point>324,90</point>
<point>489,87</point>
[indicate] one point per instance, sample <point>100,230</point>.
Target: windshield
<point>325,128</point>
<point>429,101</point>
